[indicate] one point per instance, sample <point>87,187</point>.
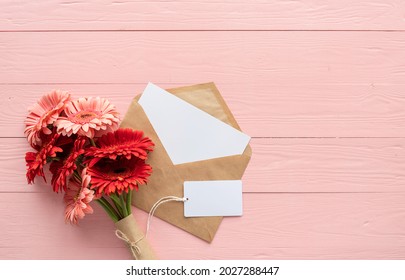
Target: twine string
<point>135,250</point>
<point>157,204</point>
<point>133,245</point>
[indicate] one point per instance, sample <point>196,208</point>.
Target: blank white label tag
<point>213,198</point>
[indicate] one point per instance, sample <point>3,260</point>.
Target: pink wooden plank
<point>63,253</point>
<point>278,84</point>
<point>283,226</point>
<point>277,165</point>
<point>197,15</point>
<point>242,58</point>
<point>262,110</point>
<point>327,165</point>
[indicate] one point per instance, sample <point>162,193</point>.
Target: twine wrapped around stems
<point>129,231</point>
<point>135,250</point>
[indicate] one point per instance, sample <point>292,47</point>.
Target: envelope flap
<point>207,98</point>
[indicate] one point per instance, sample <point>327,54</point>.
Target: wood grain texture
<point>277,165</point>
<point>310,80</point>
<point>202,15</point>
<point>262,110</point>
<point>322,102</point>
<point>281,226</point>
<point>244,58</point>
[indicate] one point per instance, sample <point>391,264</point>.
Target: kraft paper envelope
<point>167,179</point>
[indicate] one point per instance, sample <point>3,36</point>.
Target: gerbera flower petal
<point>77,199</point>
<point>35,161</point>
<point>118,176</point>
<point>61,170</point>
<point>82,112</point>
<point>122,142</point>
<point>44,113</point>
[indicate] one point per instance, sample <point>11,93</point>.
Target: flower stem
<point>92,142</point>
<point>77,176</point>
<point>129,201</point>
<point>124,207</point>
<point>108,208</point>
<point>118,205</point>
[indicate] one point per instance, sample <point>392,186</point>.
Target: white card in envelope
<point>187,133</point>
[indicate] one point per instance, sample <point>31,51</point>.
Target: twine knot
<point>135,250</point>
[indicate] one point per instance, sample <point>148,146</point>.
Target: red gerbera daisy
<point>117,176</point>
<point>123,142</point>
<point>61,170</point>
<point>36,161</point>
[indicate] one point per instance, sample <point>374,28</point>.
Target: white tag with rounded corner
<point>213,198</point>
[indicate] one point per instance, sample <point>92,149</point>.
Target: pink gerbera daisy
<point>86,116</point>
<point>122,142</point>
<point>44,113</point>
<point>78,198</point>
<point>61,170</point>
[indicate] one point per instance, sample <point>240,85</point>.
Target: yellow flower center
<point>83,117</point>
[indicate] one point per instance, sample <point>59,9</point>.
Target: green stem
<point>124,207</point>
<point>77,175</point>
<point>105,201</point>
<point>118,205</point>
<point>92,142</point>
<point>129,202</point>
<point>108,209</point>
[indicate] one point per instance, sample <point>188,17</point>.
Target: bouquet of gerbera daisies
<point>90,160</point>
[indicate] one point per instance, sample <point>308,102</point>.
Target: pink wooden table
<point>319,85</point>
